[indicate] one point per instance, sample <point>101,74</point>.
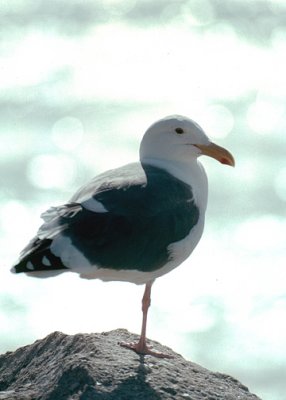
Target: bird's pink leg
<point>146,302</point>
<point>141,347</point>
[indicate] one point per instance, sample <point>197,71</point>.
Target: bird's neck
<point>190,172</point>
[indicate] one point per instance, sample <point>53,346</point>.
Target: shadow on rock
<point>78,381</point>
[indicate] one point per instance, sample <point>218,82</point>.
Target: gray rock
<point>95,367</point>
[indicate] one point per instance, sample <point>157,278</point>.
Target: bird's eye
<point>179,130</point>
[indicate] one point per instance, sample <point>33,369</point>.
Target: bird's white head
<point>180,139</point>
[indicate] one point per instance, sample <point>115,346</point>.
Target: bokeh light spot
<point>218,121</point>
<point>264,117</point>
<point>51,171</point>
<point>67,133</point>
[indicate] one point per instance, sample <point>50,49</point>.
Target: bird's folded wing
<point>119,224</point>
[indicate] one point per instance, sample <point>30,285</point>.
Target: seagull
<point>134,223</point>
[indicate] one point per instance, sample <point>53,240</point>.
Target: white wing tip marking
<point>30,266</point>
<point>46,261</point>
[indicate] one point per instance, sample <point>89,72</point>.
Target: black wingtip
<point>22,266</point>
<point>40,259</point>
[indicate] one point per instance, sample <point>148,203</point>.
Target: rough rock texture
<point>94,366</point>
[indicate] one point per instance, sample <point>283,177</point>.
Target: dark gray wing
<point>142,210</point>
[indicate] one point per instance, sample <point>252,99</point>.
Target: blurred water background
<point>80,82</point>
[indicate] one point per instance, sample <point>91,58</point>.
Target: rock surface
<point>95,367</point>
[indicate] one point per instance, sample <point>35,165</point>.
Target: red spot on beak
<point>224,161</point>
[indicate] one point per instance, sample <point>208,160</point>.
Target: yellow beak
<point>217,152</point>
